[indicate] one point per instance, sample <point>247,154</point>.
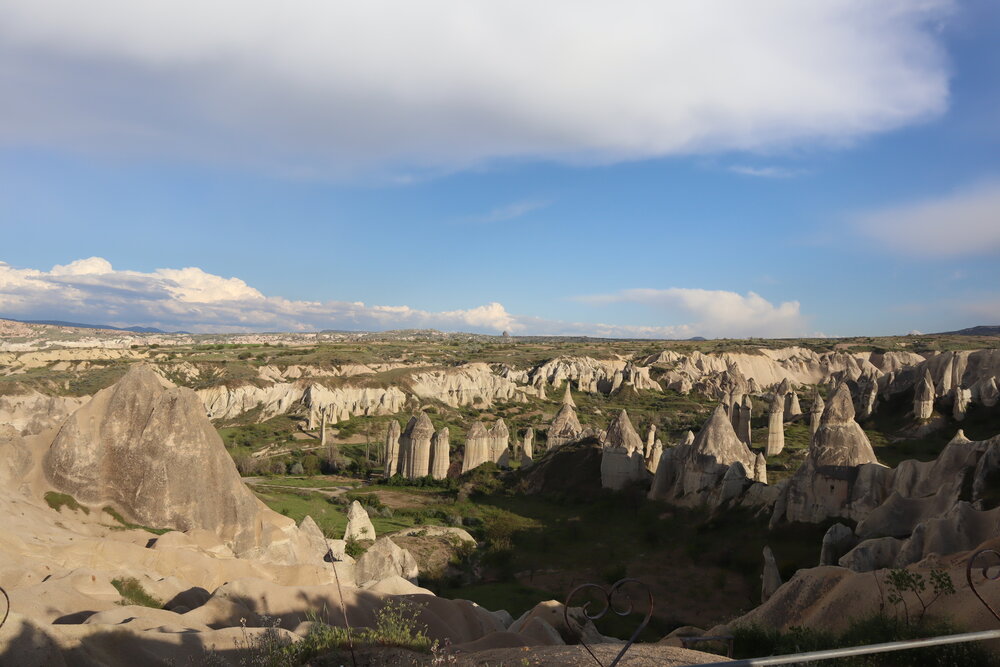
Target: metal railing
<point>608,597</point>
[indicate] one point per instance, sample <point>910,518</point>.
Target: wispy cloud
<point>766,172</point>
<point>963,223</point>
<point>332,88</point>
<point>509,211</point>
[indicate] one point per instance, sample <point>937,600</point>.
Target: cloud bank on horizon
<point>92,291</point>
<point>327,89</point>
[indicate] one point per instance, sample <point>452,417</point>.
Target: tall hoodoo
<point>565,427</point>
<point>963,397</point>
<point>839,440</point>
<point>989,394</point>
<point>792,408</point>
<point>650,440</point>
<point>568,396</point>
<point>322,428</point>
<point>528,444</point>
<point>440,454</point>
<point>815,412</point>
<point>416,440</point>
<point>923,397</point>
<point>622,434</point>
<point>743,425</point>
<point>477,447</point>
<point>392,461</point>
<point>499,440</point>
<point>776,425</point>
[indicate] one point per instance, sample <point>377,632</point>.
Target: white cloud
<point>327,88</point>
<point>966,222</point>
<point>716,313</point>
<point>93,292</point>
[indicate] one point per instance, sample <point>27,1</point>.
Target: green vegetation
<point>59,500</point>
<point>133,593</point>
<point>126,525</point>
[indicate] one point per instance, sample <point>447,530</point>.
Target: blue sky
<point>801,168</point>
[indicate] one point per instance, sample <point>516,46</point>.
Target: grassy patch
<point>133,593</point>
<point>126,525</point>
<point>59,500</point>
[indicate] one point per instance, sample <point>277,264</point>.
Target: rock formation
<point>653,458</point>
<point>440,454</point>
<point>564,428</point>
<point>923,398</point>
<point>816,412</point>
<point>528,444</point>
<point>688,438</point>
<point>771,577</point>
<point>622,460</point>
<point>568,396</point>
<point>989,394</point>
<point>477,447</point>
<point>963,397</point>
<point>792,408</point>
<point>392,461</point>
<point>715,469</point>
<point>743,423</point>
<point>650,440</point>
<point>145,448</point>
<point>840,469</point>
<point>776,426</point>
<point>383,560</point>
<point>359,525</point>
<point>499,442</point>
<point>415,442</point>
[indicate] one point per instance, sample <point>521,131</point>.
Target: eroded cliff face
<point>33,412</point>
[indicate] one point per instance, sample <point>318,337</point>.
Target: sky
<point>705,168</point>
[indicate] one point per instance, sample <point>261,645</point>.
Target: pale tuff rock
<point>528,444</point>
<point>715,469</point>
<point>816,412</point>
<point>759,468</point>
<point>792,408</point>
<point>392,461</point>
<point>622,458</point>
<point>440,454</point>
<point>15,457</point>
<point>839,440</point>
<point>147,449</point>
<point>595,375</point>
<point>771,577</point>
<point>359,526</point>
<point>989,395</point>
<point>837,541</point>
<point>415,443</point>
<point>568,396</point>
<point>499,441</point>
<point>225,402</point>
<point>621,466</point>
<point>776,426</point>
<point>962,399</point>
<point>382,560</point>
<point>469,384</point>
<point>841,476</point>
<point>653,458</point>
<point>923,398</point>
<point>622,434</point>
<point>867,396</point>
<point>650,440</point>
<point>688,438</point>
<point>872,555</point>
<point>322,429</point>
<point>564,428</point>
<point>477,447</point>
<point>743,423</point>
<point>33,412</point>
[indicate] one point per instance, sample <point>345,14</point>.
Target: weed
<point>59,500</point>
<point>133,593</point>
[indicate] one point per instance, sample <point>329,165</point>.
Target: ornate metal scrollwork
<point>611,598</point>
<point>6,610</point>
<point>987,576</point>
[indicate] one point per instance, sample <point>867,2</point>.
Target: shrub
<point>59,500</point>
<point>133,593</point>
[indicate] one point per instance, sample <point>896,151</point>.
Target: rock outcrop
<point>717,468</point>
<point>440,454</point>
<point>392,434</point>
<point>564,428</point>
<point>528,444</point>
<point>477,447</point>
<point>816,412</point>
<point>145,448</point>
<point>770,579</point>
<point>385,559</point>
<point>776,426</point>
<point>415,446</point>
<point>923,397</point>
<point>359,525</point>
<point>622,460</point>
